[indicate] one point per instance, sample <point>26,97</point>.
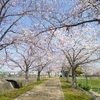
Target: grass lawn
<point>93,83</point>
<point>71,93</point>
<point>11,95</point>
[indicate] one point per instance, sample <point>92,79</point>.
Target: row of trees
<point>38,34</point>
<point>29,54</point>
<point>74,13</point>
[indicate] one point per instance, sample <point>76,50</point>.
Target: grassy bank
<point>11,95</point>
<point>71,93</point>
<point>93,83</point>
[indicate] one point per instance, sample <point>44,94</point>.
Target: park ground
<point>51,89</point>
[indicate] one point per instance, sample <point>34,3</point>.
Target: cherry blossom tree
<point>44,19</point>
<point>71,13</point>
<point>40,65</point>
<point>49,69</point>
<point>52,67</point>
<point>22,57</point>
<point>22,54</point>
<point>43,61</point>
<point>8,19</point>
<point>15,15</point>
<point>44,16</point>
<point>79,47</point>
<point>31,53</point>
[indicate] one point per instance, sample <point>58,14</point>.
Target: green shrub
<point>85,87</point>
<point>96,90</point>
<point>79,84</point>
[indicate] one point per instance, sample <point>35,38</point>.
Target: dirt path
<point>49,90</point>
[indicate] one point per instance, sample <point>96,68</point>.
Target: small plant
<point>96,90</point>
<point>79,84</point>
<point>85,87</point>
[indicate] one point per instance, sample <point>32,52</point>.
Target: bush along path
<point>49,90</point>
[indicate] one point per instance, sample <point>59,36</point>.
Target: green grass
<point>71,93</point>
<point>93,83</point>
<point>11,95</point>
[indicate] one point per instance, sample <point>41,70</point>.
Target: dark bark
<point>38,76</point>
<point>49,74</point>
<point>70,25</point>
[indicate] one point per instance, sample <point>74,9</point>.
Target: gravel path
<point>49,90</point>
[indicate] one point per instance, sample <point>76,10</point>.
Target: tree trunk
<point>38,76</point>
<point>74,84</point>
<point>67,77</point>
<point>26,78</point>
<point>49,74</point>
